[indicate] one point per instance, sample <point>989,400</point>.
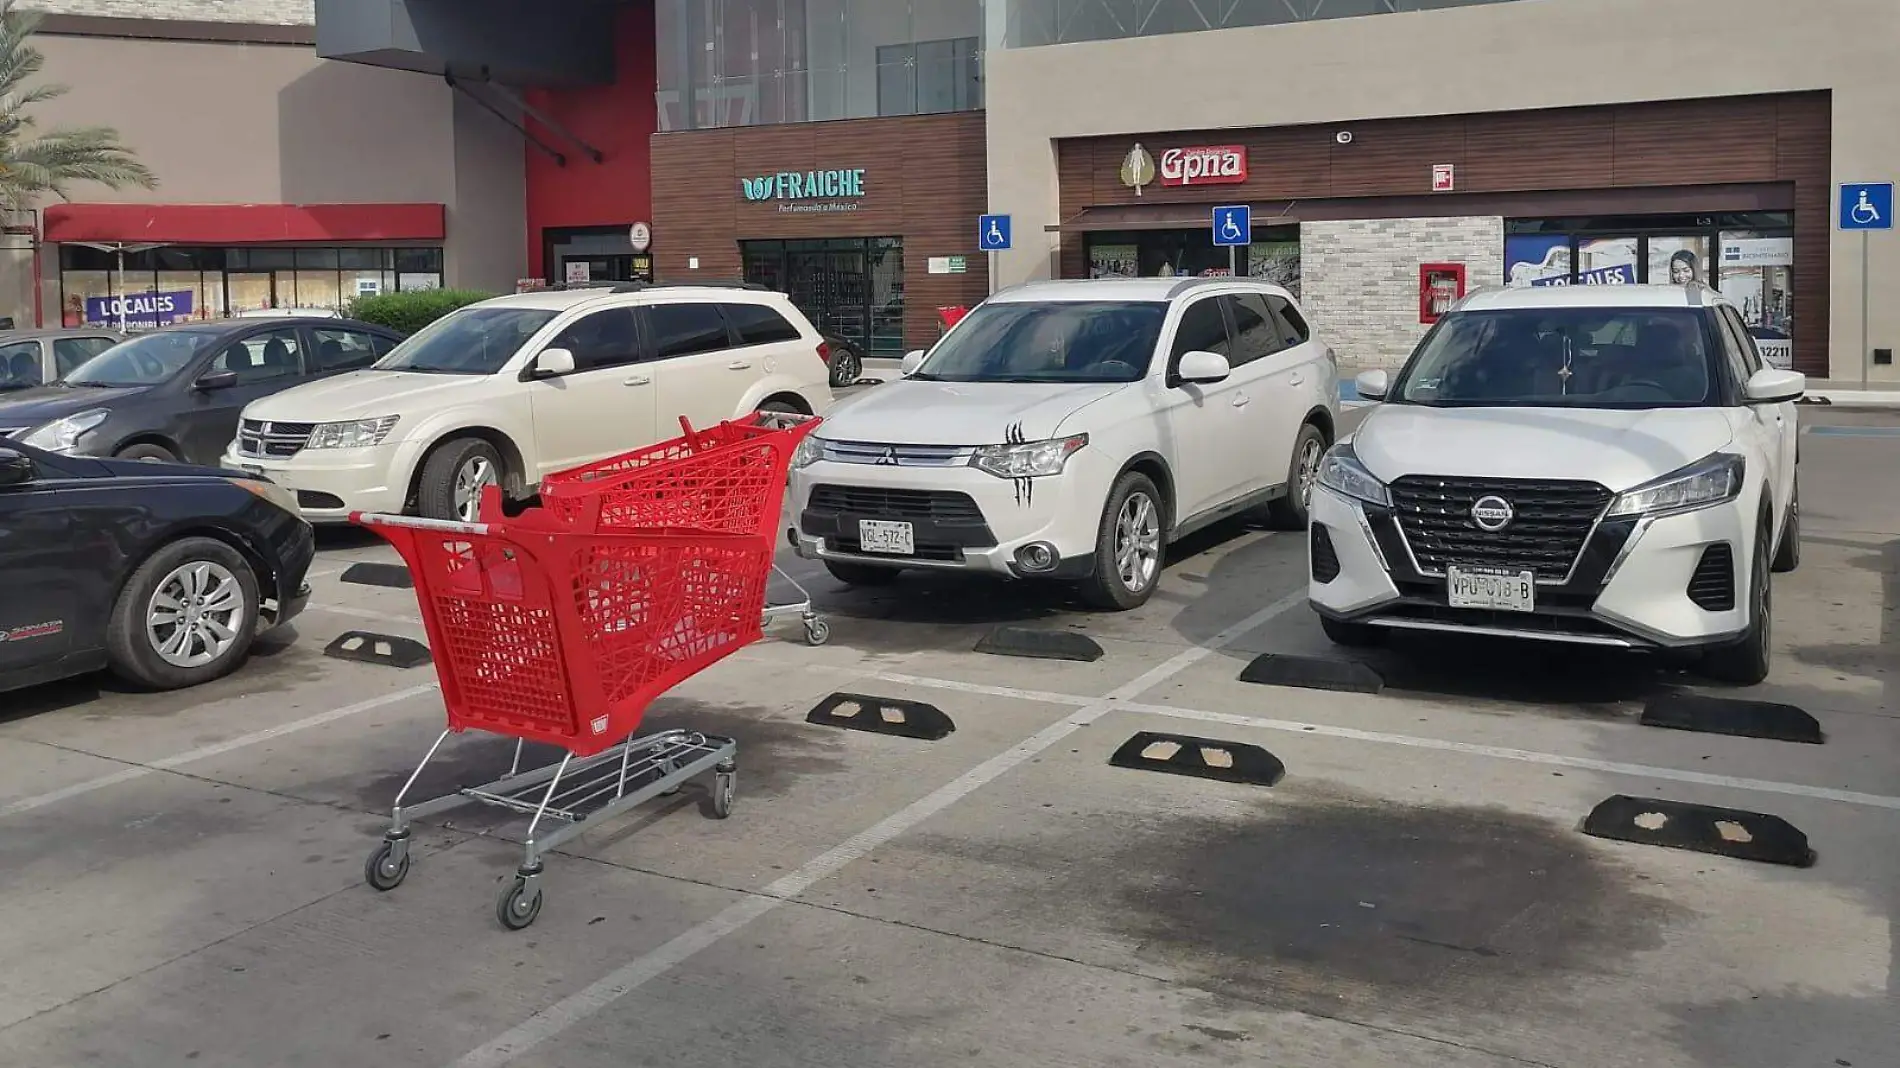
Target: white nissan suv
<point>1070,430</point>
<point>1600,465</point>
<point>509,390</point>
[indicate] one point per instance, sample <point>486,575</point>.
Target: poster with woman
<point>1678,260</point>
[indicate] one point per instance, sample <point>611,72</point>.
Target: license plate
<point>885,536</point>
<point>1509,591</point>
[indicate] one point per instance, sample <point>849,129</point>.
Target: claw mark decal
<point>1025,487</point>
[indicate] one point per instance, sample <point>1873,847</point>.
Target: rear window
<point>1563,358</point>
<point>757,324</point>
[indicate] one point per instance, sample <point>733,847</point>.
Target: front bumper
<point>332,483</point>
<point>1002,516</point>
<point>1628,588</point>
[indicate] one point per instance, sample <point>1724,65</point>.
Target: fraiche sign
<point>1204,165</point>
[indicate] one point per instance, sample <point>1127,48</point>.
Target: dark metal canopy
<point>522,43</point>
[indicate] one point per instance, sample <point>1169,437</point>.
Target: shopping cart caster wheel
<point>385,870</point>
<point>817,632</point>
<point>519,904</point>
<point>725,785</point>
<point>669,768</point>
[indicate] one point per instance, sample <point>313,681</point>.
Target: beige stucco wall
<point>249,123</point>
<point>1504,56</point>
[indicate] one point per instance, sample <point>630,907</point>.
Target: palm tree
<point>32,167</point>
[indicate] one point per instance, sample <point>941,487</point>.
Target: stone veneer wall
<point>1359,278</point>
<point>263,12</point>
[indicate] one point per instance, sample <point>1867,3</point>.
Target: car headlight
<point>1711,480</point>
<point>810,450</point>
<point>62,435</point>
<point>1028,459</point>
<point>1341,472</point>
<point>269,491</point>
<point>355,434</point>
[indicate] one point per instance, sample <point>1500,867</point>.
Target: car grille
<point>264,439</point>
<point>921,505</point>
<point>1712,587</point>
<point>1550,524</point>
<point>871,452</point>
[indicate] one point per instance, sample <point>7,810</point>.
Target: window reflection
<point>1029,23</point>
<point>748,62</point>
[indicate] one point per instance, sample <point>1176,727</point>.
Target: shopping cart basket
<point>561,626</point>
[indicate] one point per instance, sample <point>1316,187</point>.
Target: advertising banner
<point>140,309</point>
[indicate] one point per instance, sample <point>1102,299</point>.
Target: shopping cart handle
<point>447,526</point>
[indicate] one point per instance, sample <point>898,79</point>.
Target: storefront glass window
<point>1029,23</point>
<point>751,62</point>
<point>1748,256</point>
<point>850,288</point>
<point>1273,256</point>
<point>196,283</point>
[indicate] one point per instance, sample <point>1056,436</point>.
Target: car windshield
<point>472,341</point>
<point>146,360</point>
<point>1562,358</point>
<point>1057,341</point>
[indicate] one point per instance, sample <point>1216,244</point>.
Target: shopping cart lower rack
<point>569,794</point>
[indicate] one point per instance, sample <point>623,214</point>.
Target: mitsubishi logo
<point>888,458</point>
<point>1492,513</point>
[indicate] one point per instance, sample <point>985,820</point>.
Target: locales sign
<point>1204,165</point>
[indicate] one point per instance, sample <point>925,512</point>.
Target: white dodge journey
<point>1603,465</point>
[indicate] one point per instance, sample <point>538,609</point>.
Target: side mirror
<point>1372,385</point>
<point>1771,385</point>
<point>553,362</point>
<point>216,380</point>
<point>912,361</point>
<point>16,468</point>
<point>1203,367</point>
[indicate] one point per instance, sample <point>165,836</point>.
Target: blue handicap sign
<point>1233,225</point>
<point>992,232</point>
<point>1866,205</point>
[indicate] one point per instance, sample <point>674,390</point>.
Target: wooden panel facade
<point>925,180</point>
<point>1541,163</point>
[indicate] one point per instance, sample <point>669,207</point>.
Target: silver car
<point>31,358</point>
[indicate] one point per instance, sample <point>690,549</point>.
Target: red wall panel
<point>617,119</point>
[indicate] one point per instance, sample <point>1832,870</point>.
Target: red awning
<point>243,224</point>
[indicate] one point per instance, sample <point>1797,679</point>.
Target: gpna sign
<point>143,309</point>
<point>1204,165</point>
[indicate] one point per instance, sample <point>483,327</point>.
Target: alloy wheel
<point>1138,542</point>
<point>196,614</point>
<point>471,478</point>
<point>1310,454</point>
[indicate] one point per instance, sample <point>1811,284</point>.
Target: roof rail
<point>734,283</point>
<point>1187,285</point>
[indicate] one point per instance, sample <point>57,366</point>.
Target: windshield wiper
<point>92,385</point>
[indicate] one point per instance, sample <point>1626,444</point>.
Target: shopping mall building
<point>1393,152</point>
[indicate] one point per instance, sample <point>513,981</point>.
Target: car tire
<point>1351,635</point>
<point>1745,661</point>
<point>452,477</point>
<point>781,407</point>
<point>861,574</point>
<point>156,454</point>
<point>186,616</point>
<point>1788,555</point>
<point>1291,511</point>
<point>846,367</point>
<point>1130,540</point>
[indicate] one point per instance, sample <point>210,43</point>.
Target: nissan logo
<point>1492,513</point>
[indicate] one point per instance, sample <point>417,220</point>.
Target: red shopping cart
<point>562,625</point>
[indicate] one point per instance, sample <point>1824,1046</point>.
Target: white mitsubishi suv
<point>509,390</point>
<point>1600,465</point>
<point>1070,430</point>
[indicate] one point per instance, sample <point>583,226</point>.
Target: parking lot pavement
<point>185,870</point>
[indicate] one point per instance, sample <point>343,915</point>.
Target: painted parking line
<point>1410,741</point>
<point>178,760</point>
<point>582,1004</point>
<point>1853,431</point>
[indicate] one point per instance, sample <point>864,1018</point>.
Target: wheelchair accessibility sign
<point>1233,225</point>
<point>1866,205</point>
